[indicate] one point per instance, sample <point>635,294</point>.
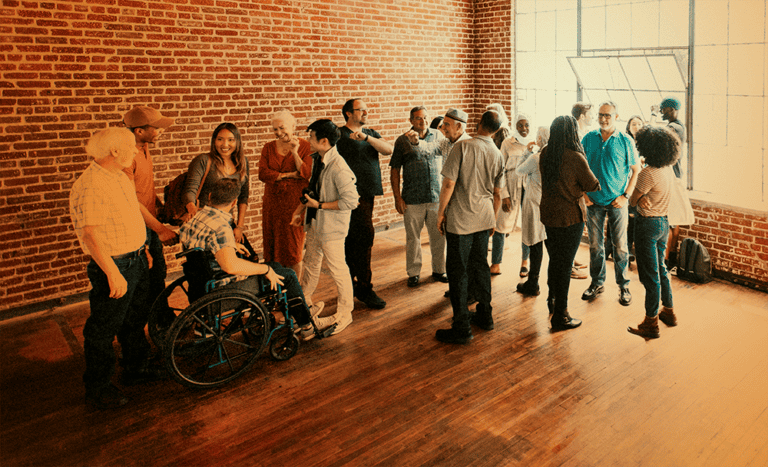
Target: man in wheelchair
<point>210,229</point>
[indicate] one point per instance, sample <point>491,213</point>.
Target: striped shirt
<point>656,184</point>
<point>107,200</point>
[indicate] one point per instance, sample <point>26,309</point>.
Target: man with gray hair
<point>418,201</point>
<point>109,225</point>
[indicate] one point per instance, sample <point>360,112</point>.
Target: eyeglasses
<point>361,110</point>
<point>605,115</point>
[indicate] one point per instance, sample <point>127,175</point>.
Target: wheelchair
<point>210,332</point>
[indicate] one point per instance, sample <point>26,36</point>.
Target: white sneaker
<point>344,321</point>
<point>326,321</point>
<point>316,309</point>
<point>307,332</point>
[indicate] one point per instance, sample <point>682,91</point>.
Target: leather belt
<point>132,254</point>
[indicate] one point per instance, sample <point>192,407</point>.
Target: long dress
<point>511,154</point>
<point>533,229</point>
<point>283,242</point>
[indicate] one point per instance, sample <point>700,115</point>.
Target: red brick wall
<point>493,75</point>
<point>737,241</point>
<point>70,68</point>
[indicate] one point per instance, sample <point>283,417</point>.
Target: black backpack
<point>694,263</point>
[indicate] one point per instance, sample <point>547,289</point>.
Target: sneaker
<point>372,300</point>
<point>592,292</point>
<point>452,336</point>
<point>577,273</point>
<point>344,321</point>
<point>316,309</point>
<point>578,264</point>
<point>307,332</point>
<point>109,397</point>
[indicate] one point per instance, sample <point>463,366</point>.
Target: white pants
<point>333,251</point>
<point>413,219</point>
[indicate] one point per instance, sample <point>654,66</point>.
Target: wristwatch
<point>319,205</point>
<point>625,195</point>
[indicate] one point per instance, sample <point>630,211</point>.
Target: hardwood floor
<point>385,392</point>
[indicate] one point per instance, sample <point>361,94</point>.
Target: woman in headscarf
<point>514,150</point>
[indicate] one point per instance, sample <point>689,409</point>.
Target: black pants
<point>123,317</point>
<point>562,245</point>
<point>466,263</point>
<point>358,245</point>
<point>537,255</point>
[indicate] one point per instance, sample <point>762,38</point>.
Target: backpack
<point>694,263</point>
<point>174,208</point>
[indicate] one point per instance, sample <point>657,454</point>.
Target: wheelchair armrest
<point>186,252</point>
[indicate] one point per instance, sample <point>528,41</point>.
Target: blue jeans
<point>158,272</point>
<point>650,244</point>
<point>617,223</point>
<point>497,252</point>
<point>562,244</point>
<point>124,317</point>
<point>466,263</point>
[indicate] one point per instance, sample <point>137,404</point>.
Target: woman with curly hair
<point>660,148</point>
<point>565,177</point>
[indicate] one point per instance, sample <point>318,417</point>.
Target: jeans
<point>650,244</point>
<point>359,243</point>
<point>562,244</point>
<point>158,272</point>
<point>497,251</point>
<point>414,218</point>
<point>617,223</point>
<point>124,317</point>
<point>290,286</point>
<point>467,261</point>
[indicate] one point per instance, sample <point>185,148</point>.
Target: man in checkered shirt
<point>108,222</point>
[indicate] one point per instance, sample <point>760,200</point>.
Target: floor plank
<point>385,392</point>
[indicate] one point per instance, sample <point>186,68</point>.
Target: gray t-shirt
<point>477,168</point>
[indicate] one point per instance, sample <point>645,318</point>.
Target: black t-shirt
<point>363,159</point>
<point>680,130</point>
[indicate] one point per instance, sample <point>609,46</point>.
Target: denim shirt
<point>421,166</point>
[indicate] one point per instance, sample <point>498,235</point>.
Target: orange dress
<point>282,242</point>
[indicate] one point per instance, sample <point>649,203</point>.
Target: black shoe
<point>440,277</point>
<point>625,298</point>
<point>470,299</point>
<point>413,281</point>
<point>372,300</point>
<point>145,374</point>
<point>109,397</point>
<point>452,336</point>
<point>592,292</point>
<point>528,288</point>
<point>482,318</point>
<point>563,322</point>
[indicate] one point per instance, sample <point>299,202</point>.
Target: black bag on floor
<point>693,263</point>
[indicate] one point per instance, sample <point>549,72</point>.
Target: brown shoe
<point>649,328</point>
<point>667,316</point>
<point>578,273</point>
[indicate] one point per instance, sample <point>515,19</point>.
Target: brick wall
<point>494,53</point>
<point>737,240</point>
<point>70,68</point>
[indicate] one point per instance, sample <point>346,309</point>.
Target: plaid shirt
<point>210,229</point>
<point>107,200</point>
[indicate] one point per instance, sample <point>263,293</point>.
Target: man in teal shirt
<point>612,158</point>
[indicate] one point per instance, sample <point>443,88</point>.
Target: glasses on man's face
<point>604,115</point>
<point>364,111</point>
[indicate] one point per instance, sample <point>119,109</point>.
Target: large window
<point>635,52</point>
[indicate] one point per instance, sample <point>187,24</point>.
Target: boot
<point>482,317</point>
<point>562,321</point>
<point>551,307</point>
<point>529,287</point>
<point>649,328</point>
<point>667,316</point>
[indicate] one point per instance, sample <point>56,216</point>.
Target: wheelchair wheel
<point>161,316</point>
<point>216,339</point>
<point>284,344</point>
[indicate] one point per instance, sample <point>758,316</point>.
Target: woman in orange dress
<point>285,167</point>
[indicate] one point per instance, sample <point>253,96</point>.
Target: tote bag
<point>680,210</point>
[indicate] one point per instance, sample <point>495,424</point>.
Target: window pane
<point>545,32</point>
<point>566,81</point>
<point>626,104</point>
<point>745,121</point>
<point>645,24</point>
<point>710,79</point>
<point>593,28</point>
<point>710,25</point>
<point>646,99</point>
<point>525,27</point>
<point>617,34</point>
<point>638,73</point>
<point>666,73</point>
<point>746,22</point>
<point>745,69</point>
<point>566,30</point>
<point>708,122</point>
<point>673,23</point>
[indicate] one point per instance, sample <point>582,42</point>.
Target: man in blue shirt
<point>612,158</point>
<point>420,196</point>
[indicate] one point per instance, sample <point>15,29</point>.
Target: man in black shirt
<point>360,147</point>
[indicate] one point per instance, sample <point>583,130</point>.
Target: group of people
<point>318,204</point>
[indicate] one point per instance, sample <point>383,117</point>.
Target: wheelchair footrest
<point>328,331</point>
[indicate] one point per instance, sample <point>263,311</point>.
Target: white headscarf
<point>516,134</point>
<point>499,110</point>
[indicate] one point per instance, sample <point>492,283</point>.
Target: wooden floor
<point>385,392</point>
